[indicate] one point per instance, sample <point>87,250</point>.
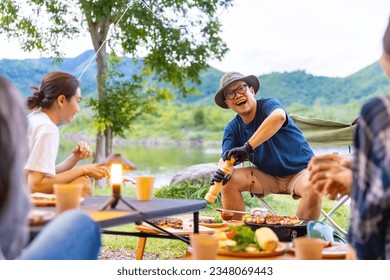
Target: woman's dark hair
<point>386,39</point>
<point>53,85</point>
<point>13,135</point>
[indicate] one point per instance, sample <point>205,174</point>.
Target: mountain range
<point>288,87</point>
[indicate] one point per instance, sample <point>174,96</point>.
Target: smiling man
<point>263,134</point>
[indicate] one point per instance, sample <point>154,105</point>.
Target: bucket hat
<point>229,78</point>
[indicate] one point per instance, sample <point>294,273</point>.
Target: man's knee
<point>228,187</point>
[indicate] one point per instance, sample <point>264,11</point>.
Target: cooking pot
<point>285,233</point>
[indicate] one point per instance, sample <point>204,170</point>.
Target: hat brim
<point>251,81</point>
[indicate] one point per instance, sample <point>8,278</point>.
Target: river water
<point>165,162</point>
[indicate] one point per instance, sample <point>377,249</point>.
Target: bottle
<point>215,189</point>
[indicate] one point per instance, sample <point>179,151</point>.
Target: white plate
<point>280,250</point>
<point>43,199</point>
<point>186,230</point>
<point>189,222</point>
<point>337,250</point>
<point>38,217</point>
<point>213,225</point>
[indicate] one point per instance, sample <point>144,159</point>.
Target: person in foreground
<point>264,134</point>
<point>56,102</point>
<point>365,177</point>
<point>71,235</point>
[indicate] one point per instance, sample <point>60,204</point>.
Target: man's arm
<point>268,128</point>
<point>265,131</point>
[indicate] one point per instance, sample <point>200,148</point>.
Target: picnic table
<point>142,212</point>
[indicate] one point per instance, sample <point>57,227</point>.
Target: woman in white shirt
<point>56,102</point>
<point>72,235</point>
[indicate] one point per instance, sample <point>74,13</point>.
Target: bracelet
<point>89,178</point>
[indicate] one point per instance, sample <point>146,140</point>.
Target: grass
<point>165,249</point>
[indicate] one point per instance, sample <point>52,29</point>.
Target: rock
<point>202,171</point>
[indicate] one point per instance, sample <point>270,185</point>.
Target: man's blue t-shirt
<point>286,153</point>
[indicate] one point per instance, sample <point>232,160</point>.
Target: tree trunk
<point>99,151</point>
<point>100,157</point>
<point>98,32</point>
<point>101,62</point>
<point>108,134</point>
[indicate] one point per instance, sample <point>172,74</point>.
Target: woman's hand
<point>344,161</point>
<point>330,175</point>
<point>95,171</point>
<point>82,151</point>
<point>338,184</point>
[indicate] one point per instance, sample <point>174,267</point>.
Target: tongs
<point>231,211</point>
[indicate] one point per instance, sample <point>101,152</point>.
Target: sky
<point>333,38</point>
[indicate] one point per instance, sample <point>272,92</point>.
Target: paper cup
<point>203,246</point>
<point>67,196</point>
<point>144,187</point>
<point>308,248</point>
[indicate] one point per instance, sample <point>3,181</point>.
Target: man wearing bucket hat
<point>264,134</point>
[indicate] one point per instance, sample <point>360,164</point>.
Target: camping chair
<point>327,217</point>
<point>322,132</point>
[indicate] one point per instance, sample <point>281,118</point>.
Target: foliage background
<point>196,117</point>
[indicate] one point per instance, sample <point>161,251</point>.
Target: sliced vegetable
<point>230,235</point>
<point>244,237</point>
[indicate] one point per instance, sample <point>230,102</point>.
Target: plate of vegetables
<point>242,241</point>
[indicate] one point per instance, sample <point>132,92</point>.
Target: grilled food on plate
<point>244,239</point>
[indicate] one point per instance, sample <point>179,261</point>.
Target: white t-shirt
<point>43,143</point>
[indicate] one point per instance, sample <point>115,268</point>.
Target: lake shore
<point>164,158</point>
<point>148,142</point>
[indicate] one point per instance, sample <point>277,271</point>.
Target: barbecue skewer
<point>231,211</point>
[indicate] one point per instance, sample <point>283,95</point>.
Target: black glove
<point>241,154</point>
<point>219,176</point>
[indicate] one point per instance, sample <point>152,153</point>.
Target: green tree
<point>174,38</point>
<point>125,100</point>
<point>199,118</point>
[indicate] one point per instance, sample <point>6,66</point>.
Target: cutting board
<point>187,229</point>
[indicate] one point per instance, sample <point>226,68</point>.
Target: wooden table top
<point>285,255</point>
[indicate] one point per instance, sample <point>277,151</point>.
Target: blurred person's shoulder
<point>375,106</point>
